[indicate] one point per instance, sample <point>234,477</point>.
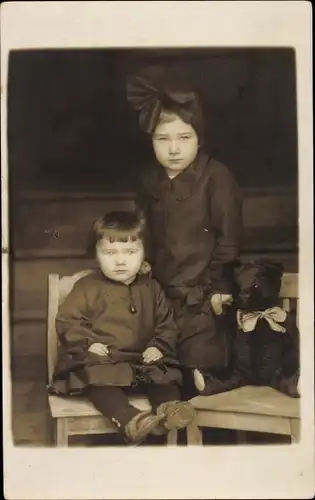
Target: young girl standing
<point>193,207</point>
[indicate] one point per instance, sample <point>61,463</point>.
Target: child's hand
<point>151,354</point>
<point>99,349</point>
<point>218,300</point>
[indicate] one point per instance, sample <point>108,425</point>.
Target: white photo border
<point>185,472</point>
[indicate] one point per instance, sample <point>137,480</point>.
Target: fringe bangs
<point>120,235</point>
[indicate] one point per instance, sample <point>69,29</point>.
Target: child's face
<point>175,145</point>
<point>120,261</point>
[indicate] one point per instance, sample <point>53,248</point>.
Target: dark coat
<point>100,310</point>
<point>194,225</point>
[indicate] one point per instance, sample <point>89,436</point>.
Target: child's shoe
<point>174,415</point>
<point>141,426</point>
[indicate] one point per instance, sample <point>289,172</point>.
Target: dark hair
<point>119,225</point>
<point>190,113</point>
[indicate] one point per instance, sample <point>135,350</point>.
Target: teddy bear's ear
<point>279,266</point>
<point>276,269</point>
<point>280,269</point>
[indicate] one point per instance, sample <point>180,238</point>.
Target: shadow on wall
<point>68,115</point>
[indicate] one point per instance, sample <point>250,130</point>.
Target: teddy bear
<point>265,348</point>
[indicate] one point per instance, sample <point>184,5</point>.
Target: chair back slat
<point>289,287</point>
<point>52,343</point>
<point>297,312</point>
<point>67,283</point>
<point>286,304</point>
<point>58,290</point>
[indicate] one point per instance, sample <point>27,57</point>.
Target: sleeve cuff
<point>162,346</point>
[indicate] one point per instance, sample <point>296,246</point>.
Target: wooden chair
<point>259,409</point>
<point>76,415</point>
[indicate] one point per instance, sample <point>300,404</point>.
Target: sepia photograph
<point>197,141</point>
<point>154,249</point>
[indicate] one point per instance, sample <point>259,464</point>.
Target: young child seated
<point>116,332</point>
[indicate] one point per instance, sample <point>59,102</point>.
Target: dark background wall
<point>69,122</point>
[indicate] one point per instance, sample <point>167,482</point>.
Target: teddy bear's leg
<point>289,385</point>
<point>207,384</point>
<point>237,375</point>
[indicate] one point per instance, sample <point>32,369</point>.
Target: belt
<point>190,295</point>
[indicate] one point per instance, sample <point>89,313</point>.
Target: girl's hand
<point>99,349</point>
<point>151,354</point>
<point>218,300</point>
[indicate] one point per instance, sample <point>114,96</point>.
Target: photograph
<point>192,144</point>
<point>153,246</point>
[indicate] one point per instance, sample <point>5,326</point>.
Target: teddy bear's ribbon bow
<point>275,315</point>
<point>148,99</point>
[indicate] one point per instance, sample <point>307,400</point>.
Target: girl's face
<point>120,261</point>
<point>175,144</point>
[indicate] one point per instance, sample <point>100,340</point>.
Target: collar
<point>102,277</point>
<point>182,185</point>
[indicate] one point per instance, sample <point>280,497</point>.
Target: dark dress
<point>126,318</point>
<point>194,225</point>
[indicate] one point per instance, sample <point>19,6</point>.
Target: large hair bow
<point>149,100</point>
